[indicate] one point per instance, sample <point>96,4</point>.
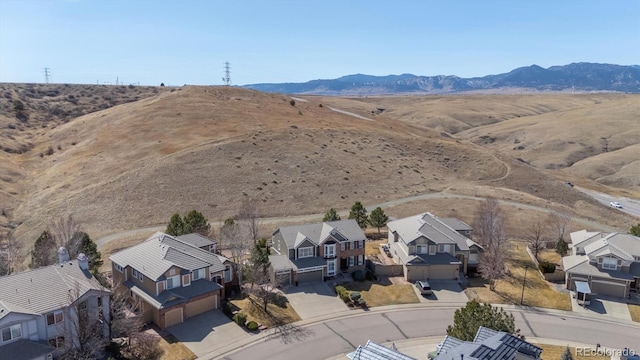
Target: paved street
<point>630,206</point>
<point>344,334</point>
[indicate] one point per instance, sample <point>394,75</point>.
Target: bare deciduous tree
<point>63,230</point>
<point>11,253</point>
<point>558,223</point>
<point>249,217</point>
<point>489,227</point>
<point>235,243</point>
<point>535,234</point>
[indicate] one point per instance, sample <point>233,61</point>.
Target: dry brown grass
<point>373,247</point>
<point>634,310</point>
<point>279,154</point>
<point>554,352</point>
<point>380,295</point>
<point>174,350</point>
<point>550,256</point>
<point>537,292</point>
<point>254,313</point>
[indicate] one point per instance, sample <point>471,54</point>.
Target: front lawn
<point>174,349</point>
<point>380,295</point>
<point>538,292</point>
<point>373,247</point>
<point>276,315</point>
<point>634,310</point>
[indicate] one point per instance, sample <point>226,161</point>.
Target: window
<point>360,259</point>
<point>227,273</point>
<point>197,274</point>
<point>443,248</point>
<point>331,267</point>
<point>118,267</point>
<point>57,342</point>
<point>99,301</point>
<point>359,244</point>
<point>432,249</point>
<point>610,263</point>
<point>342,247</point>
<point>330,250</point>
<point>55,317</point>
<point>351,261</point>
<point>422,249</point>
<point>173,282</point>
<point>347,245</point>
<point>305,252</point>
<point>172,272</point>
<point>137,274</point>
<point>12,332</point>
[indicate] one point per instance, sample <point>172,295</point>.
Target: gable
<point>305,243</point>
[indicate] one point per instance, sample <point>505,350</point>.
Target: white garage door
<point>608,288</point>
<point>173,317</point>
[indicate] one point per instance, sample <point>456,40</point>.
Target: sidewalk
<point>414,345</point>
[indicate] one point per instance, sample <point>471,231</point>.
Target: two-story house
<point>313,252</point>
<point>41,310</point>
<point>429,247</point>
<point>609,263</point>
<point>169,279</point>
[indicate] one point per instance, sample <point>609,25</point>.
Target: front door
<point>331,267</point>
<point>344,264</point>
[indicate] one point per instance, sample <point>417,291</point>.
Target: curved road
<point>101,242</point>
<point>338,336</point>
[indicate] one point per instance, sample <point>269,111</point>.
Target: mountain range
<point>580,77</point>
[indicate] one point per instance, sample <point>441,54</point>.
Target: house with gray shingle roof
<point>429,247</point>
<point>609,263</point>
<point>39,309</point>
<point>313,252</point>
<point>169,278</point>
<point>488,344</point>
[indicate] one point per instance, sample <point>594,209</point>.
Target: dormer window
<point>173,282</point>
<point>197,274</point>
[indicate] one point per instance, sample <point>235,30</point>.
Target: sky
<point>273,41</point>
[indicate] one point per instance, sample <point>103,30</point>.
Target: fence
<point>385,270</point>
<point>558,275</point>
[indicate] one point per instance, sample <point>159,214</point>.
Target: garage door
<point>415,273</point>
<point>202,305</point>
<point>284,278</point>
<point>443,272</point>
<point>310,276</point>
<point>608,288</point>
<point>173,317</point>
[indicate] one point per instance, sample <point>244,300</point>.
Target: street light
<point>524,281</point>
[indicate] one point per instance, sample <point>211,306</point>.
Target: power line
<point>47,75</point>
<point>227,74</point>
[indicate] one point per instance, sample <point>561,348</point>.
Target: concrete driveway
<point>314,299</point>
<point>447,291</point>
<point>205,333</point>
<point>603,305</point>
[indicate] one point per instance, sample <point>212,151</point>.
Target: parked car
<point>615,204</point>
<point>424,287</point>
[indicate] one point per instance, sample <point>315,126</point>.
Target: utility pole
<point>227,74</point>
<point>47,75</point>
<point>524,281</point>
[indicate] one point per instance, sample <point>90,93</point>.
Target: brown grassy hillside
<point>210,148</point>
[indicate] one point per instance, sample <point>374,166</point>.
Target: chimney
<point>63,255</point>
<point>83,261</point>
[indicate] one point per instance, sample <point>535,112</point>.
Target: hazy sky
<point>187,42</point>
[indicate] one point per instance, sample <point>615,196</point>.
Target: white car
<point>616,204</point>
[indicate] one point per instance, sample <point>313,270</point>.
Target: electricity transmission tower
<point>227,74</point>
<point>47,75</point>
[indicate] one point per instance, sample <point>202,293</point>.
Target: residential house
<point>488,344</point>
<point>205,243</point>
<point>430,248</point>
<point>609,263</point>
<point>169,279</point>
<point>41,310</point>
<point>374,351</point>
<point>313,252</point>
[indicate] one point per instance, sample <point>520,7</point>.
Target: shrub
<point>240,319</point>
<point>343,293</point>
<point>359,275</point>
<point>252,326</point>
<point>371,276</point>
<point>292,102</point>
<point>547,267</point>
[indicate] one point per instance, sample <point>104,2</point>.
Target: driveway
<point>448,291</point>
<point>314,299</point>
<point>603,305</point>
<point>204,333</point>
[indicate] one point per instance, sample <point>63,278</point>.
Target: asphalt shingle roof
<point>429,226</point>
<point>488,344</point>
<point>47,288</point>
<point>318,232</point>
<point>174,296</point>
<point>25,350</point>
<point>281,262</point>
<point>160,252</point>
